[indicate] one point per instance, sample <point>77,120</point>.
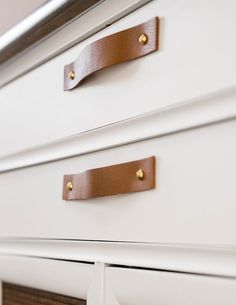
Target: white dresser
<point>117,160</point>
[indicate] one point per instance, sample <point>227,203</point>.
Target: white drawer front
<point>196,57</point>
<point>138,287</point>
<point>48,274</point>
<point>194,201</point>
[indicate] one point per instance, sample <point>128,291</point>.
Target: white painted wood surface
<point>193,202</point>
<point>97,290</point>
<point>102,284</point>
<point>138,287</point>
<point>196,58</point>
<point>199,259</point>
<point>217,107</point>
<point>185,225</point>
<point>68,278</point>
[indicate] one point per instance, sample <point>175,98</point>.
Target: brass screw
<point>143,39</point>
<point>140,174</point>
<point>69,186</point>
<point>71,75</point>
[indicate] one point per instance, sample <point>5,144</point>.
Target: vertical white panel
<point>96,291</point>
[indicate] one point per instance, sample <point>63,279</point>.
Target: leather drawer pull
<point>116,179</point>
<point>114,49</point>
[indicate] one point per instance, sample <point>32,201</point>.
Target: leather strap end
<point>120,47</point>
<point>135,176</point>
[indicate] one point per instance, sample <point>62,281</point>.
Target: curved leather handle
<point>114,49</point>
<point>121,178</point>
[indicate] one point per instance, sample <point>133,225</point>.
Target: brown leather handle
<point>114,49</point>
<point>121,178</point>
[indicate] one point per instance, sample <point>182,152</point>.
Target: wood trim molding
<point>14,294</point>
<point>198,259</point>
<point>201,111</point>
<point>1,292</point>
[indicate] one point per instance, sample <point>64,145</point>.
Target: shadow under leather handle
<point>135,176</point>
<point>120,47</point>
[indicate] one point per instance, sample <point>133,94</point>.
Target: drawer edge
<point>215,260</point>
<point>198,112</point>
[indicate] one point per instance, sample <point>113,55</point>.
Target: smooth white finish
<point>48,274</point>
<point>178,105</point>
<point>214,108</point>
<point>138,287</point>
<point>196,58</point>
<point>90,22</point>
<point>193,202</point>
<point>198,259</point>
<point>97,289</point>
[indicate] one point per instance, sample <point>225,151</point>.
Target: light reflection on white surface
<point>29,22</point>
<point>14,11</point>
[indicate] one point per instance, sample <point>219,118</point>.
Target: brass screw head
<point>140,174</point>
<point>69,186</point>
<point>71,75</point>
<point>143,39</point>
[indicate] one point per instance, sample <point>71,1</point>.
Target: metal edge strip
<point>42,22</point>
<point>80,28</point>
